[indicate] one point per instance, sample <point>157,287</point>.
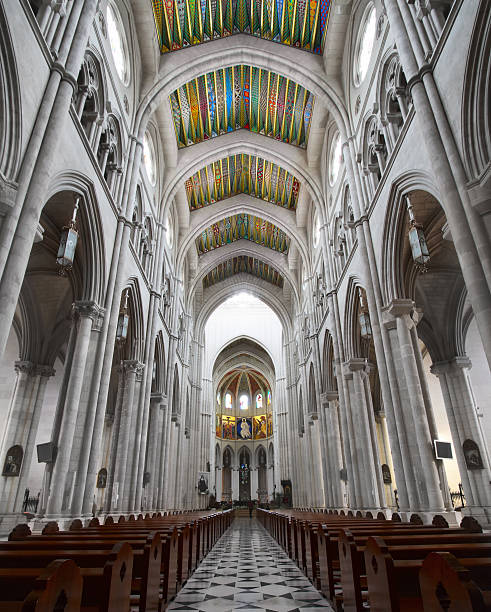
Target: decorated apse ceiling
<point>243,381</point>
<point>242,174</point>
<point>243,264</point>
<point>242,226</point>
<point>241,97</point>
<point>298,23</point>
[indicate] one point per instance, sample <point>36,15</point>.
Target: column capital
<point>156,398</point>
<point>26,367</point>
<point>400,307</point>
<point>329,396</point>
<point>45,370</point>
<point>452,366</point>
<point>85,308</point>
<point>133,366</point>
<point>355,364</point>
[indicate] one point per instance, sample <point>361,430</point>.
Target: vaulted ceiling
<point>242,174</point>
<point>246,227</point>
<point>241,97</point>
<point>238,98</point>
<point>243,264</point>
<point>298,23</point>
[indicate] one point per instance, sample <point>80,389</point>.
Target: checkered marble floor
<point>247,570</point>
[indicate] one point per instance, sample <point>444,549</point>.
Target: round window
<point>364,45</point>
<point>119,45</point>
<point>149,158</point>
<point>169,232</point>
<point>335,159</point>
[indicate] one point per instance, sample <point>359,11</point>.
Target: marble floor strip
<point>248,570</point>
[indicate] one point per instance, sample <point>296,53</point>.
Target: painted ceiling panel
<point>243,264</point>
<point>297,23</point>
<point>241,97</point>
<point>242,173</point>
<point>242,226</point>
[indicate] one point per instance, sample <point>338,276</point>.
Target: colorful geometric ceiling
<point>297,23</point>
<point>242,173</point>
<point>244,226</point>
<point>241,97</point>
<point>243,263</point>
<point>248,381</point>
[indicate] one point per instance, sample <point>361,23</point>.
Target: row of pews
<point>136,563</point>
<point>361,563</point>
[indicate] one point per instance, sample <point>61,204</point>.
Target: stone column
<point>116,427</point>
<point>21,429</point>
<point>431,499</point>
<point>462,418</point>
<point>130,369</point>
<point>162,446</point>
<point>60,486</point>
<point>151,458</point>
<point>235,480</point>
<point>18,232</point>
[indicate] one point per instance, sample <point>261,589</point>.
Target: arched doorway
<point>244,475</point>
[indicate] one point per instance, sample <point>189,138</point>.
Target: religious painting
<point>203,479</point>
<point>244,429</point>
<point>218,427</point>
<point>270,425</point>
<point>472,454</point>
<point>259,401</point>
<point>260,427</point>
<point>101,478</point>
<point>228,428</point>
<point>13,461</point>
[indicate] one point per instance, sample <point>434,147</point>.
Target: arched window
<point>169,231</point>
<point>219,399</point>
<point>335,159</point>
<point>228,401</point>
<point>244,402</point>
<point>316,230</point>
<point>269,397</point>
<point>149,158</point>
<point>259,401</point>
<point>118,42</point>
<point>364,44</point>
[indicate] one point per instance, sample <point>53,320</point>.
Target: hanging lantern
<point>417,241</point>
<point>123,320</point>
<point>364,318</point>
<point>68,243</point>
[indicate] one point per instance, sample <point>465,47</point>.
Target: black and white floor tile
<point>247,570</point>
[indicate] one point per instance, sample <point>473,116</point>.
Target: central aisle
<point>247,570</point>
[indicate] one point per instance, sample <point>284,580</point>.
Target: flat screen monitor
<point>443,450</point>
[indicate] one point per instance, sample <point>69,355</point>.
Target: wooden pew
<point>393,570</point>
<point>56,587</point>
<point>147,553</point>
<point>453,585</point>
<point>106,574</point>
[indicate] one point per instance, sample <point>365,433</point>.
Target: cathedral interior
<point>245,260</point>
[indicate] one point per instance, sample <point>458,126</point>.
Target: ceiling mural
<point>242,173</point>
<point>297,23</point>
<point>241,97</point>
<point>242,226</point>
<point>243,380</point>
<point>245,264</point>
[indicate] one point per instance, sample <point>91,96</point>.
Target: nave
<point>248,570</point>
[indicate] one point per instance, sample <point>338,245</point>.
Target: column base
<point>9,520</point>
<point>482,514</point>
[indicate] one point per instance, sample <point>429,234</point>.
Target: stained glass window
<point>117,40</point>
<point>364,47</point>
<point>259,401</point>
<point>228,401</point>
<point>244,402</point>
<point>218,398</point>
<point>269,398</point>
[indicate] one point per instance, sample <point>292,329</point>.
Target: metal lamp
<point>417,240</point>
<point>68,243</point>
